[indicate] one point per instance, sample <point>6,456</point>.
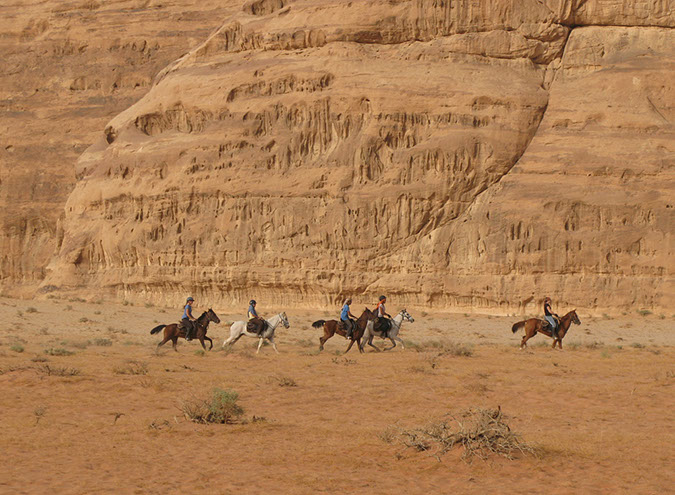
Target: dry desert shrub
<point>479,432</point>
<point>443,347</point>
<point>131,367</point>
<point>102,342</point>
<point>31,309</point>
<point>16,348</point>
<point>220,408</point>
<point>283,381</point>
<point>58,351</point>
<point>48,370</point>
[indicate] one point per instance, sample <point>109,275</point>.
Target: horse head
<point>574,316</point>
<point>284,319</point>
<point>406,316</point>
<point>212,316</point>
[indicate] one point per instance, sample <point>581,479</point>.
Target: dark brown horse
<point>174,330</point>
<point>332,327</point>
<point>533,326</point>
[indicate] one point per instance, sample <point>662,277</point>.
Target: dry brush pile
<point>479,432</point>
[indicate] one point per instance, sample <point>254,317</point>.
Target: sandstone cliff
<point>453,154</point>
<point>66,68</point>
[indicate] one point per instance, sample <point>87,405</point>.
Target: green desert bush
<point>220,407</point>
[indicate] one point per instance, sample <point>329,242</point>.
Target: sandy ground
<point>599,413</point>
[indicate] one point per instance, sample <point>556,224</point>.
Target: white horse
<point>392,334</point>
<point>238,329</point>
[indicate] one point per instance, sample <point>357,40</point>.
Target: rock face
<point>66,68</point>
<point>451,154</point>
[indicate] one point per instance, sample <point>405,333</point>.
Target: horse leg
<point>358,342</point>
<point>201,341</point>
<point>166,339</point>
<point>327,334</point>
<point>259,345</point>
<point>523,343</point>
<point>274,346</point>
<point>175,341</point>
<point>401,341</point>
<point>210,342</point>
<point>393,344</point>
<point>351,343</point>
<point>232,340</point>
<point>370,343</point>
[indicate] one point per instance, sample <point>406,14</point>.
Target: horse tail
<point>518,326</point>
<point>157,329</point>
<point>318,323</point>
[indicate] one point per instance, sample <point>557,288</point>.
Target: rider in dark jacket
<point>549,317</point>
<point>383,323</point>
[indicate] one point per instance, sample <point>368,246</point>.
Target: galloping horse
<point>392,334</point>
<point>533,326</point>
<point>331,327</point>
<point>172,331</point>
<point>238,330</point>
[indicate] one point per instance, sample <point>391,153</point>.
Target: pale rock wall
<point>66,68</point>
<point>309,150</point>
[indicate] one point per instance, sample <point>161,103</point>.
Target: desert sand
<point>597,413</point>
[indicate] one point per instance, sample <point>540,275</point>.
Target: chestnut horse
<point>173,331</point>
<point>332,327</point>
<point>533,326</point>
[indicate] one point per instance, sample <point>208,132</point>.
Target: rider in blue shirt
<point>255,323</point>
<point>345,315</point>
<point>188,319</point>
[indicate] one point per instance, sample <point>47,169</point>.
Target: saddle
<point>257,325</point>
<point>555,318</point>
<point>342,325</point>
<point>383,325</point>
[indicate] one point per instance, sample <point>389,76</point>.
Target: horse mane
<point>202,316</point>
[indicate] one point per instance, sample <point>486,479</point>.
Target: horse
<point>173,330</point>
<point>332,327</point>
<point>392,334</point>
<point>535,325</point>
<point>238,329</point>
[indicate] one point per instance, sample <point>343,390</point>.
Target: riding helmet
<point>252,301</point>
<point>190,299</point>
<point>382,298</point>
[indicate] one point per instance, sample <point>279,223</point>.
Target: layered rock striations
<point>453,154</point>
<point>66,68</point>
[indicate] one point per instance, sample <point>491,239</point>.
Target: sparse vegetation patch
<point>479,432</point>
<point>58,351</point>
<point>220,408</point>
<point>132,367</point>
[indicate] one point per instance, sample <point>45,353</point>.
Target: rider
<point>382,323</point>
<point>188,320</point>
<point>255,323</point>
<point>549,317</point>
<point>345,316</point>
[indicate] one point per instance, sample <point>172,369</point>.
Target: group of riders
<point>382,324</point>
<point>256,324</point>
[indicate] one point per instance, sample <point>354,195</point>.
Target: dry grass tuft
<point>220,408</point>
<point>480,432</point>
<point>283,381</point>
<point>132,367</point>
<point>443,347</point>
<point>48,370</point>
<point>58,351</point>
